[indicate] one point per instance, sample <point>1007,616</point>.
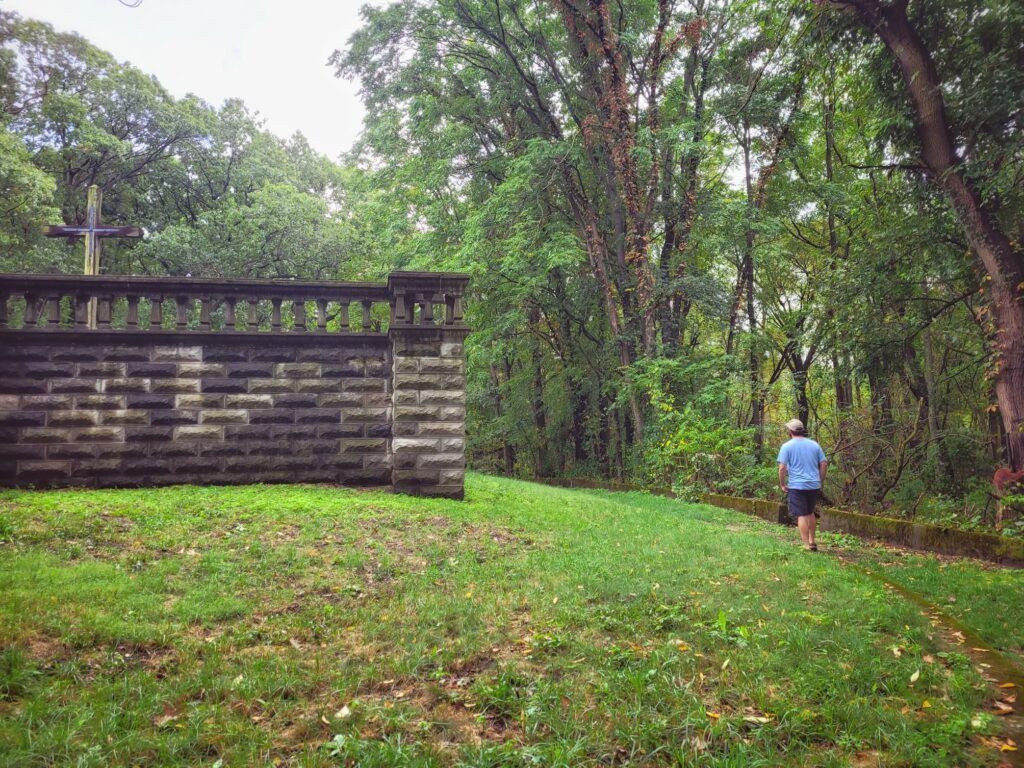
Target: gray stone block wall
<point>429,422</point>
<point>90,399</point>
<point>128,409</point>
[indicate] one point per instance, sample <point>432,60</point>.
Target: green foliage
<point>691,446</point>
<point>27,198</point>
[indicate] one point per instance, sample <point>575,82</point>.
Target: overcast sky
<point>270,53</point>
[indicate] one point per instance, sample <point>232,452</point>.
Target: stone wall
<point>429,445</point>
<point>242,381</point>
<point>107,410</point>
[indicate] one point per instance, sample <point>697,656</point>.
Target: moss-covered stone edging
<point>906,533</point>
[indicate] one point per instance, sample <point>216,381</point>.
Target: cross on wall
<point>93,231</point>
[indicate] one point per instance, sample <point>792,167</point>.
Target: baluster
<point>53,310</point>
<point>321,314</point>
<point>156,312</point>
<point>457,309</point>
<point>103,311</point>
<point>205,307</point>
<point>82,301</point>
<point>427,312</point>
<point>253,320</point>
<point>275,315</point>
<point>299,315</point>
<point>367,305</point>
<point>398,309</point>
<point>132,318</point>
<point>229,314</point>
<point>31,310</point>
<point>343,324</point>
<point>182,302</point>
<point>3,309</point>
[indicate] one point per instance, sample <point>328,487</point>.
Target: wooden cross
<point>93,231</point>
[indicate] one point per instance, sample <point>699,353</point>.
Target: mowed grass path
<point>526,626</point>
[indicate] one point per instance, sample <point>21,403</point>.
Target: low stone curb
<point>905,533</point>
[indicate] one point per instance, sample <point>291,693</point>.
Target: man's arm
<point>823,470</point>
<point>782,477</point>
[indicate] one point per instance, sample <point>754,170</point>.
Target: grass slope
<point>526,626</point>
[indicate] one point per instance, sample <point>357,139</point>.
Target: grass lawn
<point>526,626</point>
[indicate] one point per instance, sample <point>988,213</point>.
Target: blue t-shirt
<point>801,455</point>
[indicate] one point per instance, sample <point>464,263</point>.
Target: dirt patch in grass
<point>449,713</point>
<point>407,538</point>
<point>45,650</point>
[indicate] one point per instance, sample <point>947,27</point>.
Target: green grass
<point>526,626</point>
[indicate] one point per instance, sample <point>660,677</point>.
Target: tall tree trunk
<point>1004,264</point>
<point>757,394</point>
<point>506,448</point>
<point>509,449</point>
<point>936,445</point>
<point>578,428</point>
<point>604,436</point>
<point>597,254</point>
<point>881,403</point>
<point>539,416</point>
<point>680,215</point>
<point>803,403</point>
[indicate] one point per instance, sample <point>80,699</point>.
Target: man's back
<point>802,457</point>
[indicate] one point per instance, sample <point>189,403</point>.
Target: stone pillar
<point>427,333</point>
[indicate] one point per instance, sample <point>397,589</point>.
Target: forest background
<point>686,222</point>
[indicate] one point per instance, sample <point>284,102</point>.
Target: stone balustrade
<point>113,381</point>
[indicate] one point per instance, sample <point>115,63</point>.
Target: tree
<point>1003,262</point>
<point>26,200</point>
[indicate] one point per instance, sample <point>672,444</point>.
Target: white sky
<point>270,53</point>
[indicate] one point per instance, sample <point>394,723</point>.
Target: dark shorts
<point>801,502</point>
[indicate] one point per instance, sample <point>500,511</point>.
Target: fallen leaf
<point>928,659</point>
<point>756,719</point>
<point>725,664</point>
<point>913,677</point>
<point>712,715</point>
<point>343,713</point>
<point>682,647</point>
<point>926,704</point>
<point>294,643</point>
<point>171,713</point>
<point>1007,685</point>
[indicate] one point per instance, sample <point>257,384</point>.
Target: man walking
<point>802,468</point>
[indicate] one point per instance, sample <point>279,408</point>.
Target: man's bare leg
<point>806,524</point>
